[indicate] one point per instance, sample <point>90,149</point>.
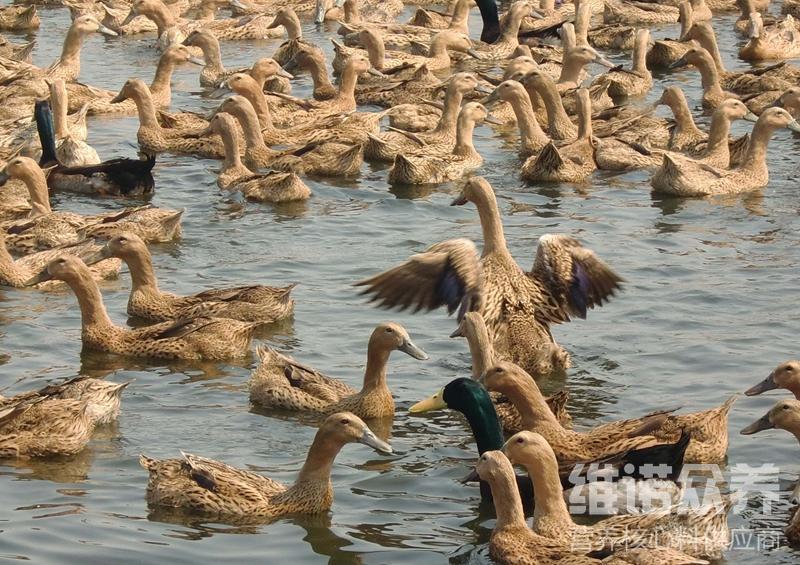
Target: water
<point>708,310</point>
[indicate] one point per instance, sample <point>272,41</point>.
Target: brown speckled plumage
<point>44,427</point>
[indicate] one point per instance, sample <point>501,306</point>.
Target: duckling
<point>421,167</point>
<point>630,83</point>
<point>17,273</point>
<point>517,306</point>
<point>573,162</point>
<point>713,95</point>
<point>786,376</point>
<point>45,229</point>
<point>197,338</point>
<point>782,42</point>
<point>319,158</point>
<point>215,489</point>
<point>280,382</point>
<point>638,13</point>
<point>272,186</point>
<point>19,18</point>
<point>751,174</point>
<point>45,428</point>
<point>698,531</point>
<point>385,146</point>
<point>152,137</point>
<point>214,72</point>
<point>250,303</point>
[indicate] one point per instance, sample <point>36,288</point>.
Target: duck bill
<point>129,18</point>
<point>459,200</point>
<point>197,61</point>
<point>474,54</point>
<point>369,438</point>
<point>290,65</point>
<point>794,126</point>
<point>221,91</point>
<point>409,348</point>
<point>376,73</point>
<point>238,5</point>
<point>275,23</point>
<point>492,120</point>
<point>100,255</point>
<point>43,276</point>
<point>759,425</point>
<point>536,15</point>
<point>118,98</point>
<point>435,402</point>
<point>459,331</point>
<point>493,98</point>
<point>678,64</point>
<point>600,60</point>
<point>106,31</point>
<point>750,117</point>
<point>472,477</point>
<point>762,387</point>
<point>285,74</point>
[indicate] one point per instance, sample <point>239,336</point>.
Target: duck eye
<point>785,407</point>
<point>389,330</point>
<point>344,421</point>
<point>520,440</point>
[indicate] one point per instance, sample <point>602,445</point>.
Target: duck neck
<point>584,117</point>
<point>684,122</point>
<point>143,277</point>
<point>146,110</point>
<point>36,183</point>
<point>59,106</point>
<point>319,75</point>
<point>252,133</point>
<point>686,17</point>
<point>162,17</point>
<point>530,131</point>
<point>71,51</point>
<point>460,20</point>
<point>317,467</point>
<point>293,29</point>
<point>452,105</point>
<point>494,240</point>
<point>708,41</point>
<point>464,129</point>
<point>347,87</point>
<point>438,48</point>
<point>480,348</point>
<point>529,402</point>
<point>213,57</point>
<point>571,70</point>
<point>507,502</point>
<point>756,157</point>
<point>375,372</point>
<point>259,102</point>
<point>718,133</point>
<point>376,51</point>
<point>509,33</point>
<point>709,77</point>
<point>549,503</point>
<point>483,421</point>
<point>639,58</point>
<point>207,12</point>
<point>93,311</point>
<point>558,122</point>
<point>232,158</point>
<point>9,272</point>
<point>163,76</point>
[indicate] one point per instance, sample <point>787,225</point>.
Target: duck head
<point>87,25</point>
<point>786,375</point>
<point>785,415</point>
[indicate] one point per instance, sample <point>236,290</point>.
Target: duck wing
<point>446,274</point>
<point>574,276</point>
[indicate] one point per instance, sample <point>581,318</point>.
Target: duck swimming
<point>280,382</point>
<point>215,489</point>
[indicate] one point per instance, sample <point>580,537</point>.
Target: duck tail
<point>29,14</point>
<point>23,55</point>
<point>148,463</point>
<point>47,133</point>
<point>352,159</point>
<point>728,404</point>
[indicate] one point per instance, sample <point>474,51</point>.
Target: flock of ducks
<point>434,85</point>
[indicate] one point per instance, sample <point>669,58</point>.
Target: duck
<point>508,40</point>
<point>153,138</point>
<point>471,399</point>
<point>782,42</point>
<point>422,167</point>
<point>198,338</point>
<point>751,174</point>
<point>16,52</point>
<point>170,29</point>
<point>784,415</point>
<point>682,133</point>
<point>45,229</point>
<point>708,524</point>
<point>118,177</point>
<point>631,83</point>
<point>280,382</point>
<point>715,153</point>
<point>71,150</point>
<point>573,162</point>
<point>247,303</point>
<point>438,57</point>
<point>16,273</point>
<point>387,62</point>
<point>518,307</point>
<point>213,488</point>
<point>313,62</point>
<point>473,328</point>
<point>68,66</point>
<point>255,26</point>
<point>513,542</point>
<point>113,18</point>
<point>713,95</point>
<point>213,72</point>
<point>272,186</point>
<point>317,158</point>
<point>786,376</point>
<point>103,397</point>
<point>542,88</point>
<point>160,88</point>
<point>664,52</point>
<point>638,13</point>
<point>287,18</point>
<point>49,427</point>
<point>455,18</point>
<point>350,12</point>
<point>19,18</point>
<point>386,146</point>
<point>532,138</point>
<point>575,59</point>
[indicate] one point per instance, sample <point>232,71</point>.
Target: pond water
<point>708,310</point>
